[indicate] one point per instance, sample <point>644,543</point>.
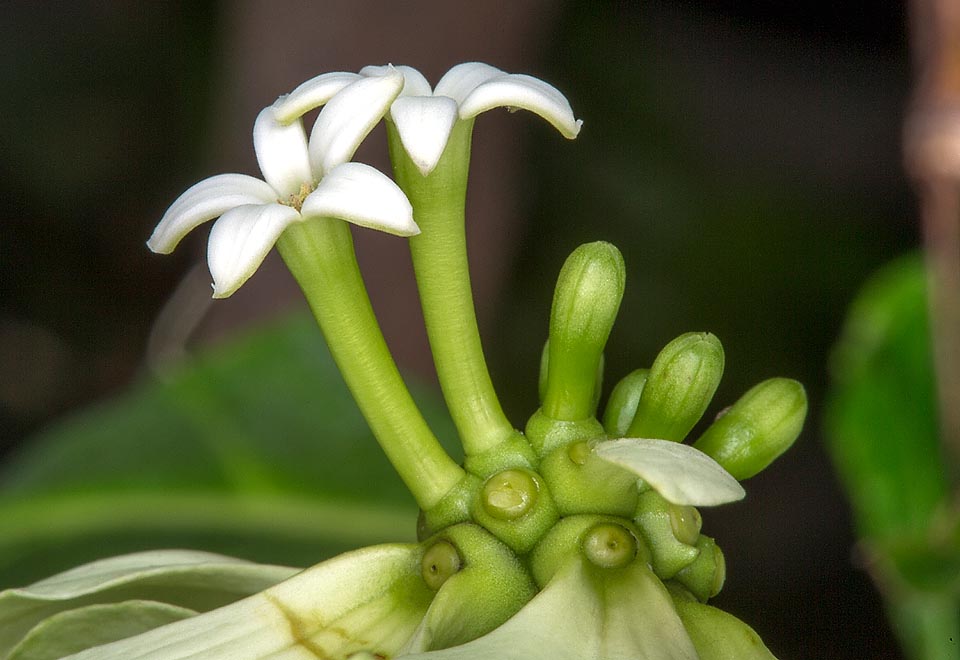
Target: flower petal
<point>204,201</point>
<point>458,82</point>
<point>364,196</point>
<point>681,474</point>
<point>241,239</point>
<point>175,576</point>
<point>282,153</point>
<point>370,599</point>
<point>311,94</point>
<point>585,614</point>
<point>56,636</point>
<point>527,92</point>
<point>424,124</point>
<point>414,83</point>
<point>348,117</point>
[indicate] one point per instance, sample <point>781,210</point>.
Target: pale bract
<point>425,116</point>
<point>302,180</point>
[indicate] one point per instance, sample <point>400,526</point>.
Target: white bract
<point>302,180</point>
<point>424,117</point>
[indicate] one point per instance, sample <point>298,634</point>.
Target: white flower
<point>424,117</point>
<point>302,179</point>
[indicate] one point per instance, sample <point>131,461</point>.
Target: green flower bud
<point>759,427</point>
<point>516,507</point>
<point>670,531</point>
<point>545,433</point>
<point>580,482</point>
<point>679,387</point>
<point>585,305</point>
<point>622,404</point>
<point>488,587</point>
<point>704,577</point>
<point>718,635</point>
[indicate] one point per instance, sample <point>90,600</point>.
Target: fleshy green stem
<point>320,255</point>
<point>443,278</point>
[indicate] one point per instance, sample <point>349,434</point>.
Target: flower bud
<point>718,635</point>
<point>622,404</point>
<point>679,387</point>
<point>759,427</point>
<point>585,305</point>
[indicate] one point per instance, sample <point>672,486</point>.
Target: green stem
<point>440,263</point>
<point>320,255</point>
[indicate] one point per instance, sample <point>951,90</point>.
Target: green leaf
<point>76,630</point>
<point>255,449</point>
<point>198,581</point>
<point>881,416</point>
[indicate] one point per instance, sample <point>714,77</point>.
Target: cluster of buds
<point>578,537</point>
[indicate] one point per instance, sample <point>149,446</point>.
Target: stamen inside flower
<point>296,200</point>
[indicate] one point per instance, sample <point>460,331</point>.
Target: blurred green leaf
<point>256,450</point>
<point>882,419</point>
<point>883,431</point>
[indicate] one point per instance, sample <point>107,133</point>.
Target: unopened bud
<point>705,576</point>
<point>759,427</point>
<point>679,387</point>
<point>585,304</point>
<point>622,404</point>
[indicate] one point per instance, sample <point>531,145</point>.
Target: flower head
<point>302,180</point>
<point>424,117</point>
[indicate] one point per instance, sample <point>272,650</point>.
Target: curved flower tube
<point>301,180</point>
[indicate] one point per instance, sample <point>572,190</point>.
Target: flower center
<point>508,495</point>
<point>296,200</point>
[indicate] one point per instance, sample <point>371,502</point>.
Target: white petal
<point>527,92</point>
<point>623,616</point>
<point>682,474</point>
<point>204,201</point>
<point>311,94</point>
<point>414,83</point>
<point>458,82</point>
<point>364,196</point>
<point>370,599</point>
<point>348,117</point>
<point>241,239</point>
<point>424,124</point>
<point>282,153</point>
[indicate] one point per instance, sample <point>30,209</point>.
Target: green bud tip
<point>510,494</point>
<point>679,387</point>
<point>758,428</point>
<point>608,545</point>
<point>440,561</point>
<point>585,304</point>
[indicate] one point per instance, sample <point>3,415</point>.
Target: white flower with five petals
<point>424,117</point>
<point>302,179</point>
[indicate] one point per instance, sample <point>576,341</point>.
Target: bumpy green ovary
<point>482,583</point>
<point>705,576</point>
<point>606,541</point>
<point>583,483</point>
<point>671,532</point>
<point>516,507</point>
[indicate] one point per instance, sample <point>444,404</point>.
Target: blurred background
<point>743,155</point>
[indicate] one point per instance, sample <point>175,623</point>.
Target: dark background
<point>743,155</point>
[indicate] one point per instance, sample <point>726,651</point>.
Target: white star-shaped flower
<point>424,117</point>
<point>302,179</point>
